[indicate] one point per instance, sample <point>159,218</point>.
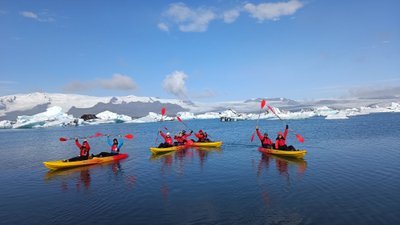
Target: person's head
<point>265,134</point>
<point>168,134</point>
<point>280,135</point>
<point>183,131</point>
<point>115,141</point>
<point>200,131</point>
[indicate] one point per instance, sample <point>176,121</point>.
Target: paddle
<point>299,138</point>
<point>163,111</point>
<point>127,136</point>
<point>263,102</point>
<point>98,134</point>
<point>180,120</point>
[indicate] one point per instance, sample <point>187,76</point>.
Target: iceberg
<point>108,117</point>
<point>186,115</point>
<point>54,116</point>
<point>6,124</point>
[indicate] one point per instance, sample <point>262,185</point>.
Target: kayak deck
<point>207,144</point>
<point>60,164</point>
<point>294,154</point>
<point>155,150</point>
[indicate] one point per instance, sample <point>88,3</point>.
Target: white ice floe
<point>208,115</point>
<point>108,116</point>
<point>186,115</point>
<point>6,124</point>
<point>52,117</point>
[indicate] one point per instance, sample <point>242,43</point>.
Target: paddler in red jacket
<point>168,142</point>
<point>181,137</point>
<point>202,136</point>
<point>280,142</point>
<point>265,141</point>
<point>186,136</point>
<point>84,149</point>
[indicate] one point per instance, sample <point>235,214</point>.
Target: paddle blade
<point>252,138</point>
<point>180,120</point>
<point>166,128</point>
<point>299,138</point>
<point>63,139</point>
<point>98,134</point>
<point>129,136</point>
<point>263,102</point>
<point>163,110</point>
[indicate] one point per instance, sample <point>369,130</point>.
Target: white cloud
<point>28,14</point>
<point>230,16</point>
<point>174,84</point>
<point>187,19</point>
<point>272,11</point>
<point>116,82</point>
<point>163,27</point>
<point>31,15</point>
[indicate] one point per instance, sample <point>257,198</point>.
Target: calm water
<point>351,175</point>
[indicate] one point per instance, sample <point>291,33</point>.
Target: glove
<point>287,126</point>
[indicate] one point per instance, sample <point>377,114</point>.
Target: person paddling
<point>265,141</point>
<point>280,142</point>
<point>168,142</point>
<point>181,138</point>
<point>202,136</point>
<point>115,147</point>
<point>84,149</point>
<point>186,136</point>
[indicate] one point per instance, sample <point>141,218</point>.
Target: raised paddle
<point>98,134</point>
<point>263,102</point>
<point>299,138</point>
<point>163,111</point>
<point>180,120</point>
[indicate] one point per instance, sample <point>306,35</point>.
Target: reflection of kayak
<point>59,164</point>
<point>291,161</point>
<point>169,149</point>
<point>207,144</point>
<point>294,154</point>
<point>161,155</point>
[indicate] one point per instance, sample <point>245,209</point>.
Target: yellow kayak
<point>207,144</point>
<point>60,164</point>
<point>294,154</point>
<point>155,150</point>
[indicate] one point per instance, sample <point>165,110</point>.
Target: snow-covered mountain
<point>12,106</point>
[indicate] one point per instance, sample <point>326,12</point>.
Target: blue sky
<point>200,50</point>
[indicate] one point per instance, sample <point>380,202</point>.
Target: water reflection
<point>282,164</point>
<point>177,160</point>
<point>80,178</point>
<point>180,156</point>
